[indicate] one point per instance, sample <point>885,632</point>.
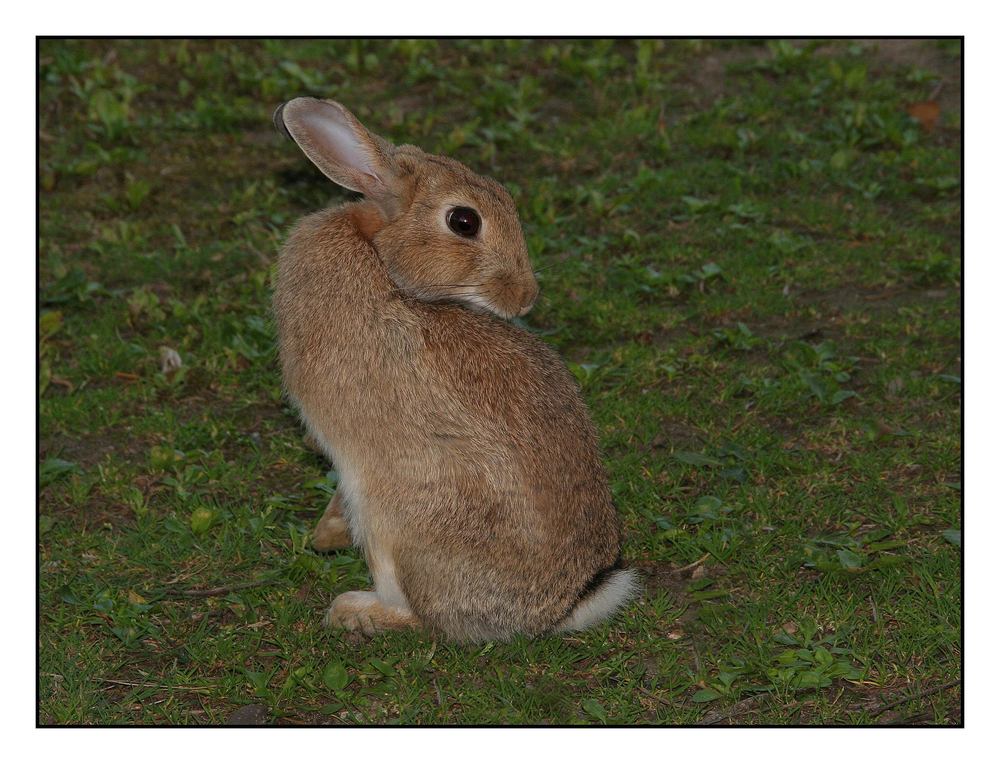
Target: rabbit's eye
<point>464,221</point>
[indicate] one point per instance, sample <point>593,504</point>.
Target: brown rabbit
<point>468,466</point>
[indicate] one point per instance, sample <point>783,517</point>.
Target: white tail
<point>618,588</point>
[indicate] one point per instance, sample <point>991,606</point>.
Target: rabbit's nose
<point>528,298</point>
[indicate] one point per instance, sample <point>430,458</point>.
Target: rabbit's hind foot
<point>331,531</point>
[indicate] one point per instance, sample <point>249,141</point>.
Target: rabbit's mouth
<point>473,300</point>
<point>503,297</point>
<point>505,301</point>
<point>481,305</point>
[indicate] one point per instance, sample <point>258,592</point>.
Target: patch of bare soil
<point>658,577</point>
<point>851,297</point>
<point>891,53</point>
<point>706,81</point>
<point>89,451</point>
<point>903,704</point>
<point>675,436</point>
<point>847,298</point>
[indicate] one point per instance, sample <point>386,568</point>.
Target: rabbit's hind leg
<point>365,612</point>
<point>331,531</point>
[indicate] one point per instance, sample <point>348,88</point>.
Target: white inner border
<point>434,17</point>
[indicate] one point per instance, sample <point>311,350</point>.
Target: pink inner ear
<point>337,140</point>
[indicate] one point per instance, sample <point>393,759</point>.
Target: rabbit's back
<point>526,519</point>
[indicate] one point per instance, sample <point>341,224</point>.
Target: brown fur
<point>469,467</point>
<point>331,531</point>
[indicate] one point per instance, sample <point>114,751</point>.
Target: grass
<point>749,255</point>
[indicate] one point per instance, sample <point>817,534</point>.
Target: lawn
<point>750,257</point>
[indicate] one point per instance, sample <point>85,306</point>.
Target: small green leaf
<point>174,525</point>
<point>812,679</point>
<point>582,371</point>
<point>841,159</point>
<point>44,376</point>
<point>382,667</point>
<point>707,504</point>
<point>700,584</point>
<point>842,395</point>
<point>136,193</point>
<point>814,383</point>
<point>49,323</point>
<point>704,696</point>
<point>202,519</point>
<point>335,676</point>
<point>823,656</point>
<point>708,270</point>
<point>727,678</point>
<point>66,595</point>
<point>663,523</point>
<point>953,536</point>
<point>595,709</point>
<point>850,560</point>
<point>126,634</point>
<point>694,204</point>
<point>737,474</point>
<point>45,523</point>
<point>876,535</point>
<point>708,508</point>
<point>698,460</point>
<point>53,469</point>
<point>164,457</point>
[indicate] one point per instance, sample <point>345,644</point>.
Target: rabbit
<point>468,465</point>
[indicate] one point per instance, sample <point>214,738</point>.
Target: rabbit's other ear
<point>340,146</point>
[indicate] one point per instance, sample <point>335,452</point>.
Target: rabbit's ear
<point>339,145</point>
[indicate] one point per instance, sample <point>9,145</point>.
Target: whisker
<point>434,286</point>
<point>437,286</point>
<point>431,297</point>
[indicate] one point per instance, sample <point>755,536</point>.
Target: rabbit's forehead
<point>488,205</point>
<point>454,184</point>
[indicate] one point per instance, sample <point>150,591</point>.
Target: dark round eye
<point>464,221</point>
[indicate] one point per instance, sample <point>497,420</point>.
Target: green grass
<point>749,255</point>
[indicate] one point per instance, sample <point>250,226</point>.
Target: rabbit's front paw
<point>352,611</point>
<point>365,612</point>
